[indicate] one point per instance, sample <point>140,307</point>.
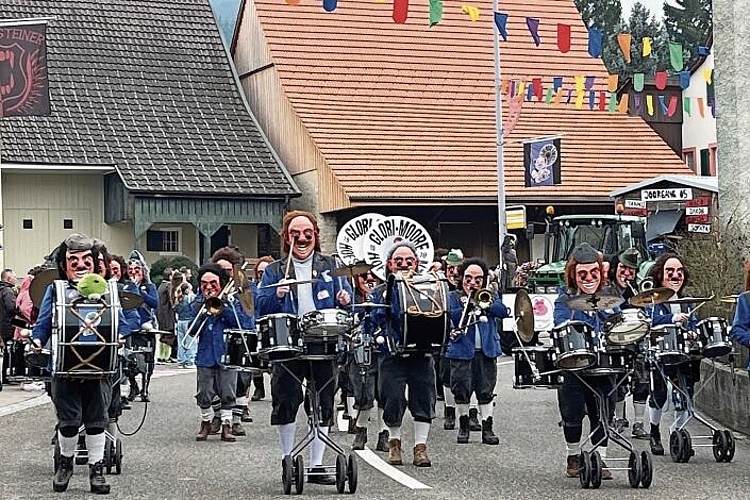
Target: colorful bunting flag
<point>400,11</point>
<point>660,80</point>
<point>686,105</point>
<point>436,12</point>
<point>530,92</point>
<point>639,80</point>
<point>712,105</point>
<point>570,97</point>
<point>557,82</point>
<point>675,56</point>
<point>602,100</point>
<point>672,108</point>
<point>557,96</point>
<point>707,75</point>
<point>624,40</point>
<point>638,103</point>
<point>550,94</point>
<point>700,106</point>
<point>595,43</point>
<point>684,79</point>
<point>612,83</point>
<point>533,24</point>
<point>592,100</point>
<point>590,82</point>
<point>662,104</point>
<point>292,2</point>
<point>580,82</point>
<point>329,5</point>
<point>579,100</point>
<point>563,37</point>
<point>515,104</point>
<point>612,107</point>
<point>624,101</point>
<point>650,104</point>
<point>501,19</point>
<point>471,11</point>
<point>703,51</point>
<point>646,46</point>
<point>538,90</point>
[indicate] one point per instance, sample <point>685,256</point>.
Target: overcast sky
<point>656,7</point>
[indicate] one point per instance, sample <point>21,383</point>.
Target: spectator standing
<point>7,313</point>
<point>165,315</point>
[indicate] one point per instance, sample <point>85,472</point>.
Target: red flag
<point>400,11</point>
<point>24,70</point>
<point>672,108</point>
<point>660,80</point>
<point>563,37</point>
<point>538,90</point>
<point>602,100</point>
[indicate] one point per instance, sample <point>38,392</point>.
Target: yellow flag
<point>580,95</point>
<point>471,11</point>
<point>613,80</point>
<point>580,82</point>
<point>521,88</point>
<point>707,75</point>
<point>650,105</point>
<point>646,46</point>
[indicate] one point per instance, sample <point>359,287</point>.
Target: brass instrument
<point>483,298</point>
<point>647,284</point>
<point>478,301</point>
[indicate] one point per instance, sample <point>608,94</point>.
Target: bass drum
<point>574,345</point>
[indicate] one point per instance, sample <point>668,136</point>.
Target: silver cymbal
<point>290,283</point>
<point>688,300</point>
<point>593,302</point>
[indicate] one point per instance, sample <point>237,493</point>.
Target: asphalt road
<point>163,460</point>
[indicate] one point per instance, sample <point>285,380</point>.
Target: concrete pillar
<point>732,81</point>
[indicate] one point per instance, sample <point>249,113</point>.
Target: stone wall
<point>724,398</point>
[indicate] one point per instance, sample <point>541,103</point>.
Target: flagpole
<point>501,227</point>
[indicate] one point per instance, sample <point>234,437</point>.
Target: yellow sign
<point>515,217</point>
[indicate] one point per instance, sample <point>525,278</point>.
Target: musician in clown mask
<point>77,401</point>
<point>585,273</point>
<point>669,272</point>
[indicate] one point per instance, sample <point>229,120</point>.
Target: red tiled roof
<point>406,111</point>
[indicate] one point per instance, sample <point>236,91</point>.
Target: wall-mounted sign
<point>699,228</point>
<point>667,194</point>
<point>515,217</point>
<point>697,219</point>
<point>635,204</point>
<point>639,212</point>
<point>696,210</point>
<point>702,201</point>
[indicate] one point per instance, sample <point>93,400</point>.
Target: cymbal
<point>524,315</point>
<point>371,305</point>
<point>652,296</point>
<point>351,270</point>
<point>290,283</point>
<point>688,300</point>
<point>593,302</point>
<point>39,285</point>
<point>731,299</point>
<point>130,300</point>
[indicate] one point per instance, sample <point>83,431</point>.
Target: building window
<point>688,156</point>
<point>67,223</point>
<point>164,241</point>
<point>712,155</point>
<point>28,224</point>
<point>705,162</point>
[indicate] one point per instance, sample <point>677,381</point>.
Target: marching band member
<point>140,284</point>
<point>397,371</point>
<point>585,273</point>
<point>622,273</point>
<point>473,351</point>
<point>260,267</point>
<point>669,272</point>
<point>76,401</point>
<point>741,326</point>
<point>214,378</point>
<point>453,261</point>
<point>301,244</point>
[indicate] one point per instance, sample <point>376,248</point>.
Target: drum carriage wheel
<point>634,473</point>
<point>118,456</point>
<point>287,474</point>
<point>340,472</point>
<point>729,450</point>
<point>299,474</point>
<point>108,456</point>
<point>687,446</point>
<point>676,445</point>
<point>647,469</point>
<point>351,474</point>
<point>584,471</point>
<point>719,446</point>
<point>596,470</point>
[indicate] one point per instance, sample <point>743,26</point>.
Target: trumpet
<point>483,298</point>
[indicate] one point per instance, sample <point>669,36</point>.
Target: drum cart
<point>293,467</point>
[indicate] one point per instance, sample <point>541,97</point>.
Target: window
<point>712,155</point>
<point>67,223</point>
<point>28,224</point>
<point>705,162</point>
<point>688,155</point>
<point>163,241</point>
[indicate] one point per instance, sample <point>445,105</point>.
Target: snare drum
<point>543,357</point>
<point>424,314</point>
<point>611,363</point>
<point>240,347</point>
<point>326,322</point>
<point>85,338</point>
<point>280,337</point>
<point>626,327</point>
<point>714,335</point>
<point>669,343</point>
<point>574,345</point>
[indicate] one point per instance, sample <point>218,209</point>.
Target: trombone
<point>480,300</point>
<point>214,306</point>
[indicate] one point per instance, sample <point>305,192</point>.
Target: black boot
<point>63,474</point>
<point>474,424</point>
<point>360,439</point>
<point>463,429</point>
<point>96,479</point>
<point>488,436</point>
<point>450,418</point>
<point>655,441</point>
<point>134,390</point>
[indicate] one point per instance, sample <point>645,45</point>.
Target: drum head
<point>575,360</point>
<point>629,337</point>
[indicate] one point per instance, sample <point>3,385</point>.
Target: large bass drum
<point>84,333</point>
<point>423,301</point>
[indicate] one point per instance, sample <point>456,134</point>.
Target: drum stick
<point>289,259</point>
<point>690,313</point>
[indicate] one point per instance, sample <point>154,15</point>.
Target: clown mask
<point>135,273</point>
<point>366,282</point>
<point>78,264</point>
<point>403,259</point>
<point>301,237</point>
<point>674,275</point>
<point>624,275</point>
<point>210,285</point>
<point>588,277</point>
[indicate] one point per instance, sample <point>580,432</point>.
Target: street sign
<point>640,212</point>
<point>696,219</point>
<point>703,201</point>
<point>515,217</point>
<point>699,228</point>
<point>667,194</point>
<point>635,204</point>
<point>696,210</point>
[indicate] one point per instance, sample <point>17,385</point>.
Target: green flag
<point>436,12</point>
<point>675,56</point>
<point>686,105</point>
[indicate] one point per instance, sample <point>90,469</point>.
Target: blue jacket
<point>463,346</point>
<point>563,313</point>
<point>150,300</point>
<point>324,288</point>
<point>661,314</point>
<point>211,345</point>
<point>741,326</point>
